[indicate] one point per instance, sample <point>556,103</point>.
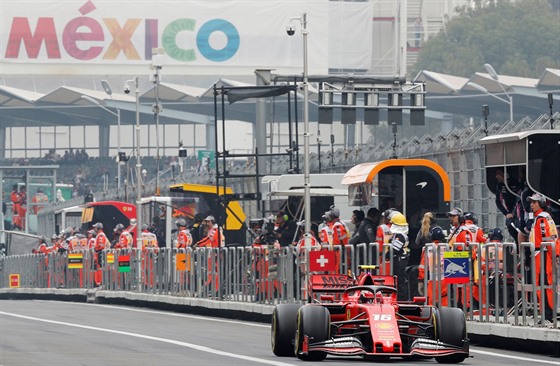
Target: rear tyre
<point>314,322</point>
<point>283,330</point>
<point>451,328</point>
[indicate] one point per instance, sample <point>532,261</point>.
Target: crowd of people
<point>389,229</point>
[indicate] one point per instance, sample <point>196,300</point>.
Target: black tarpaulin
<point>237,94</point>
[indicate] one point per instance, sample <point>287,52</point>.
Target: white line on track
<point>206,318</point>
<point>157,339</point>
<point>529,360</point>
<point>167,313</point>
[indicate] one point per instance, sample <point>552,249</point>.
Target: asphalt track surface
<point>63,333</point>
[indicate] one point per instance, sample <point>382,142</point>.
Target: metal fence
<point>501,286</point>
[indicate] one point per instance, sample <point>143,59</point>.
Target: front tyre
<point>451,328</point>
<point>314,322</point>
<point>283,330</point>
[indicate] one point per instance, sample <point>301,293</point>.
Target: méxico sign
<point>191,32</point>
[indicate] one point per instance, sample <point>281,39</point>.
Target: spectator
<point>423,237</point>
<point>285,230</point>
<point>357,218</point>
<point>505,201</point>
<point>544,230</point>
<point>88,195</point>
<point>367,229</point>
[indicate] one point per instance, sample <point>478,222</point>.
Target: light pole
<point>494,76</point>
<point>156,66</point>
<point>485,91</point>
<point>306,181</point>
<point>109,92</point>
<point>133,83</point>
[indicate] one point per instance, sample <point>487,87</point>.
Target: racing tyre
<point>451,328</point>
<point>283,330</point>
<point>314,322</point>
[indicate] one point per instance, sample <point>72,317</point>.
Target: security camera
<point>126,89</point>
<point>291,30</point>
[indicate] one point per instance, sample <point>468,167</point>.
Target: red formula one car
<point>365,319</point>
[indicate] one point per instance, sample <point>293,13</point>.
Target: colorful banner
<point>124,263</point>
<point>229,34</point>
<point>110,258</point>
<point>456,267</point>
<point>75,261</point>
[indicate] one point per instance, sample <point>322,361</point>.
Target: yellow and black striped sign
<point>75,261</point>
<point>110,258</point>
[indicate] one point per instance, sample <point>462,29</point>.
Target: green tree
<point>519,38</point>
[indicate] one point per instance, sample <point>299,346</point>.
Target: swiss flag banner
<point>322,261</point>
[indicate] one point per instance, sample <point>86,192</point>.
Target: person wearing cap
<point>285,229</point>
<point>435,287</point>
<point>459,240</point>
<point>544,231</point>
<point>340,232</point>
<point>367,228</point>
<point>215,237</point>
<point>101,240</point>
<point>149,239</point>
<point>184,237</point>
<point>471,222</point>
<point>460,236</point>
<point>117,231</point>
<point>90,236</point>
<point>325,231</point>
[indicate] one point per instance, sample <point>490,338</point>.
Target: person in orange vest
<point>90,237</point>
<point>325,232</point>
<point>149,239</point>
<point>300,245</point>
<point>460,236</point>
<point>39,199</point>
<point>117,231</point>
<point>302,254</point>
<point>184,237</point>
<point>544,230</point>
<point>341,234</point>
<point>99,245</point>
<point>477,235</point>
<point>263,255</point>
<point>383,237</point>
<point>214,239</point>
<point>459,240</point>
<point>471,222</point>
<point>17,202</point>
<point>435,269</point>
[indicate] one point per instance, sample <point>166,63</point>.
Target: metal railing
<point>501,286</point>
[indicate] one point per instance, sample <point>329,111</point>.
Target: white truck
<point>285,192</point>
